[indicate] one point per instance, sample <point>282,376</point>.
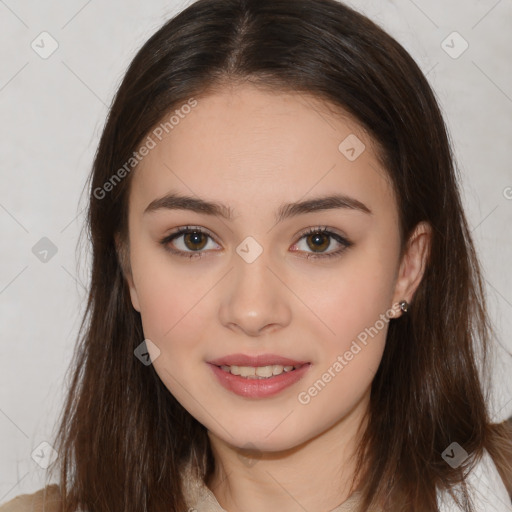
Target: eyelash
<point>311,231</point>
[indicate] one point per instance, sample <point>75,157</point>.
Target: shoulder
<point>43,500</point>
<point>488,492</point>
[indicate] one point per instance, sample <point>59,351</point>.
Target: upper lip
<point>260,360</point>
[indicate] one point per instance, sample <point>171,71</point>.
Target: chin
<point>262,440</point>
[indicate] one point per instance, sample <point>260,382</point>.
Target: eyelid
<point>320,229</point>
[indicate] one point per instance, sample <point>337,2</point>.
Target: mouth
<point>260,376</point>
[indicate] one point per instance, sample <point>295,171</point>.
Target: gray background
<point>52,113</point>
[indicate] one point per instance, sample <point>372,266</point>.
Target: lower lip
<point>259,388</point>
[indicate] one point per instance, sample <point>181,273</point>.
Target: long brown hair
<point>123,438</point>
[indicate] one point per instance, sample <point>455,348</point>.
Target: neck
<point>315,475</point>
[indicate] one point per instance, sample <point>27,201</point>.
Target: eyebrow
<point>174,201</point>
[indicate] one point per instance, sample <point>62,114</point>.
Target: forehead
<point>252,147</point>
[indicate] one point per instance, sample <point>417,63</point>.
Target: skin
<point>253,150</point>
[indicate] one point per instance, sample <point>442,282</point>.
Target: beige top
<point>202,499</point>
<point>44,500</point>
<point>197,496</point>
<point>489,494</point>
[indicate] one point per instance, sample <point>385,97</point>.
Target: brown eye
<point>319,241</point>
<point>188,242</point>
<point>195,241</point>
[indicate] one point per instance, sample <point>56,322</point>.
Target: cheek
<point>354,304</point>
<point>357,312</point>
<point>351,298</point>
<point>169,295</point>
<point>174,319</point>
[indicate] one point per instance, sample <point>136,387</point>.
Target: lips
<point>256,388</point>
<point>259,360</point>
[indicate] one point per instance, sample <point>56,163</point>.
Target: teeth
<point>277,369</point>
<point>247,371</point>
<point>259,372</point>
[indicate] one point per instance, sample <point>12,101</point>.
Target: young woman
<point>286,310</point>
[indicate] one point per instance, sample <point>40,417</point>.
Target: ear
<point>123,257</point>
<point>413,263</point>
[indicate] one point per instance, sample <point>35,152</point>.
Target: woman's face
<point>261,285</point>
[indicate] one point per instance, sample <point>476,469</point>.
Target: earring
<point>404,305</point>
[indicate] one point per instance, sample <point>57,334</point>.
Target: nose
<point>255,298</point>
